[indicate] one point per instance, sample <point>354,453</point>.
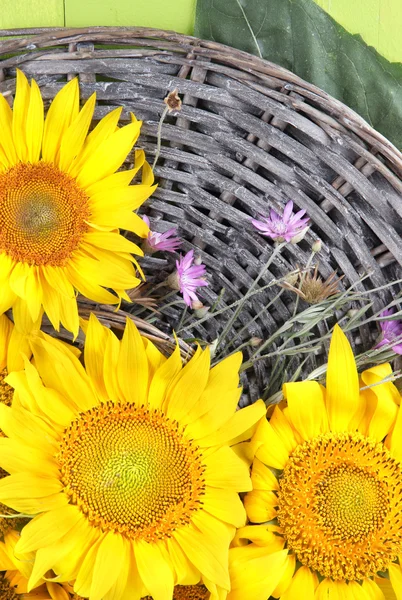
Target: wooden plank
<point>163,14</point>
<point>31,13</point>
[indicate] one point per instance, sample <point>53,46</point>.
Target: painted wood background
<point>379,22</point>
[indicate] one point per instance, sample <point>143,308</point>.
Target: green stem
<point>159,136</point>
<point>264,269</point>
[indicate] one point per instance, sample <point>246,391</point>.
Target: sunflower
<point>327,491</point>
<point>127,465</point>
<point>62,204</point>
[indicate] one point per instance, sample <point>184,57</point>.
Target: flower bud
<point>255,342</point>
<point>316,247</point>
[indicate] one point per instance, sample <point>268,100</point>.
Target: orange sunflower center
<point>7,592</point>
<point>6,391</point>
<point>188,592</point>
<point>131,470</point>
<point>43,214</point>
<point>340,506</point>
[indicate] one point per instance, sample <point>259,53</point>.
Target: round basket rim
<point>53,36</point>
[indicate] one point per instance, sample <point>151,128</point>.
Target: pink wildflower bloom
<point>391,331</point>
<point>189,277</point>
<point>167,241</point>
<point>285,228</point>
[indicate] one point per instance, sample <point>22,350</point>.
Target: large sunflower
<point>62,204</point>
<point>327,491</point>
<point>127,464</point>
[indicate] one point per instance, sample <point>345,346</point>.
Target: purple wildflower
<point>188,277</point>
<point>391,331</point>
<point>287,228</point>
<point>167,241</point>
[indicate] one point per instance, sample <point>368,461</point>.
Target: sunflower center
<point>339,505</point>
<point>188,592</point>
<point>7,592</point>
<point>6,391</point>
<point>131,470</point>
<point>43,214</point>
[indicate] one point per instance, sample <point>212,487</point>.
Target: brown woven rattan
<point>250,135</point>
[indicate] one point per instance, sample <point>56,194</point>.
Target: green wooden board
<point>162,14</point>
<point>31,13</point>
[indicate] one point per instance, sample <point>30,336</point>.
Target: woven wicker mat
<point>250,136</point>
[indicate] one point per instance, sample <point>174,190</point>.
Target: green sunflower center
<point>131,470</point>
<point>43,214</point>
<point>339,506</point>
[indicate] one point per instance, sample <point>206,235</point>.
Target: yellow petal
<point>303,585</point>
<point>286,579</point>
<point>395,575</point>
<point>63,110</point>
<point>283,428</point>
<point>260,506</point>
<point>188,386</point>
<point>26,485</point>
<point>132,370</point>
<point>6,140</point>
<point>226,470</point>
<point>47,528</point>
<point>108,564</point>
<point>385,395</point>
<point>104,129</point>
<point>74,137</point>
<point>83,583</point>
<point>186,573</point>
<point>20,112</point>
<point>269,447</point>
<point>224,505</point>
<point>49,556</point>
<point>204,556</point>
<point>265,536</point>
<point>163,376</point>
<point>94,354</point>
<point>262,477</point>
<point>15,457</point>
<point>34,125</point>
<point>238,427</point>
<point>306,408</point>
<point>342,397</point>
<point>154,571</point>
<point>255,577</point>
<point>64,373</point>
<point>6,327</point>
<point>373,591</point>
<point>108,156</point>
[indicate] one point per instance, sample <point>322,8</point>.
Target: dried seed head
<point>312,289</point>
<point>173,101</point>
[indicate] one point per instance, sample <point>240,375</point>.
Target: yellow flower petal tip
<point>328,476</point>
<point>62,204</point>
<point>129,467</point>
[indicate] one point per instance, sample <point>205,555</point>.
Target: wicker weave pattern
<point>250,136</point>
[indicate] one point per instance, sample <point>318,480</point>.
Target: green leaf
<point>299,35</point>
